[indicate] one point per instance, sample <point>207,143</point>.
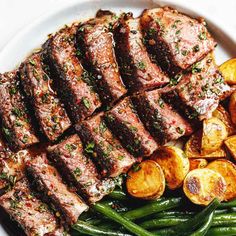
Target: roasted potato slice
<point>197,163</point>
<point>146,180</point>
<point>213,134</point>
<point>174,163</point>
<point>230,144</point>
<point>224,116</point>
<point>228,70</point>
<point>232,107</point>
<point>201,186</point>
<point>228,170</point>
<point>192,148</point>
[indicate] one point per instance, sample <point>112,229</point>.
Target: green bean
<point>221,231</point>
<point>228,219</point>
<point>113,215</point>
<point>173,213</point>
<point>228,204</point>
<point>118,195</point>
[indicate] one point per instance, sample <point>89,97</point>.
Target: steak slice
<point>69,75</point>
<point>136,67</point>
<point>30,213</point>
<point>49,111</point>
<point>49,184</point>
<point>97,40</point>
<point>16,123</point>
<point>106,150</point>
<point>176,40</point>
<point>159,118</point>
<point>70,158</point>
<point>199,91</point>
<point>125,124</point>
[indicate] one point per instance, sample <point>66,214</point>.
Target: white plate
<point>36,33</point>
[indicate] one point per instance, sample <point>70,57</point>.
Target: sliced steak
<point>125,124</point>
<point>97,40</point>
<point>199,91</point>
<point>16,123</point>
<point>176,40</point>
<point>29,212</point>
<point>104,148</point>
<point>70,158</point>
<point>136,67</point>
<point>69,75</point>
<point>49,184</point>
<point>49,111</point>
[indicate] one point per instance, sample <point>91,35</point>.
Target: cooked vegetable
<point>203,185</point>
<point>230,143</point>
<point>213,134</point>
<point>224,116</point>
<point>228,170</point>
<point>228,204</point>
<point>228,219</point>
<point>146,180</point>
<point>118,195</point>
<point>232,107</point>
<point>174,164</point>
<point>221,231</point>
<point>197,163</point>
<point>192,149</point>
<point>228,69</point>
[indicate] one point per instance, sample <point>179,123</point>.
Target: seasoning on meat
<point>48,109</point>
<point>176,40</point>
<point>136,67</point>
<point>97,39</point>
<point>70,77</point>
<point>160,119</point>
<point>125,124</point>
<point>70,158</point>
<point>49,184</point>
<point>16,122</point>
<point>103,147</point>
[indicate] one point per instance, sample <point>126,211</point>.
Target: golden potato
<point>230,144</point>
<point>232,107</point>
<point>224,116</point>
<point>174,163</point>
<point>146,180</point>
<point>228,70</point>
<point>213,134</point>
<point>201,186</point>
<point>197,163</point>
<point>192,148</point>
<point>228,170</point>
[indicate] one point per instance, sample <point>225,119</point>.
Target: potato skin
<point>232,107</point>
<point>228,69</point>
<point>146,181</point>
<point>197,163</point>
<point>174,163</point>
<point>201,186</point>
<point>230,144</point>
<point>228,170</point>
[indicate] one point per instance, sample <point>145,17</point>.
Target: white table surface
<point>16,14</point>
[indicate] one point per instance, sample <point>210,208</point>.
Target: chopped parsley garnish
<point>89,147</point>
<point>196,48</point>
<point>17,112</point>
<point>25,138</point>
<point>202,35</point>
<point>136,167</point>
<point>175,80</point>
<point>32,62</point>
<point>184,52</point>
<point>180,130</point>
<point>141,65</point>
<point>161,102</point>
<point>177,32</point>
<point>120,157</point>
<point>77,171</point>
<point>196,68</point>
<point>70,147</point>
<point>45,98</point>
<point>86,102</point>
<point>13,90</point>
<point>102,127</point>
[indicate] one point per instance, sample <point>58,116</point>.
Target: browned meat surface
<point>71,160</point>
<point>16,123</point>
<point>49,184</point>
<point>125,124</point>
<point>28,211</point>
<point>49,111</point>
<point>103,147</point>
<point>97,38</point>
<point>159,118</point>
<point>69,75</point>
<point>136,67</point>
<point>176,40</point>
<point>199,91</point>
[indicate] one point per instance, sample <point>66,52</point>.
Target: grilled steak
<point>49,184</point>
<point>136,67</point>
<point>49,111</point>
<point>97,40</point>
<point>198,93</point>
<point>29,212</point>
<point>69,75</point>
<point>16,123</point>
<point>159,118</point>
<point>175,39</point>
<point>103,147</point>
<point>69,157</point>
<point>124,122</point>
